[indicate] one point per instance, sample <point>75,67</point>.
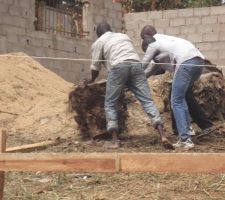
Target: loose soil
<point>34,107</point>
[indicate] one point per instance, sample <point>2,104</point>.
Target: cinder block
<point>169,14</point>
<point>193,21</point>
<point>217,10</point>
<point>112,14</point>
<point>220,45</point>
<point>221,36</point>
<point>15,10</point>
<point>204,28</point>
<point>143,23</point>
<point>186,12</point>
<point>13,38</point>
<point>14,21</point>
<point>24,3</point>
<point>211,55</point>
<point>204,46</point>
<point>7,29</point>
<point>221,18</point>
<point>172,30</point>
<point>188,29</point>
<point>161,23</point>
<point>202,11</point>
<point>3,42</point>
<point>117,6</point>
<point>194,37</point>
<point>210,37</point>
<point>155,15</point>
<point>209,20</point>
<point>4,8</point>
<point>141,15</point>
<point>177,22</point>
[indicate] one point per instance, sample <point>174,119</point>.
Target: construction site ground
<point>29,123</point>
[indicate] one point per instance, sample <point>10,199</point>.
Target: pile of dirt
<point>209,91</point>
<point>88,102</point>
<point>33,100</point>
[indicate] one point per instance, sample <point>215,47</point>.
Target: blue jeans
<point>131,75</point>
<point>183,80</point>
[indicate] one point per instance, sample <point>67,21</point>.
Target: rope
<point>90,60</point>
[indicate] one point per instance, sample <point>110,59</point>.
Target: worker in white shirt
<point>187,64</point>
<point>116,51</point>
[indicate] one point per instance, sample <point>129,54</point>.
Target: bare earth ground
<point>36,100</point>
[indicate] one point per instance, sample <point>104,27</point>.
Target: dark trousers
<point>197,113</point>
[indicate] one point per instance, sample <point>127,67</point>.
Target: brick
<point>131,25</point>
<point>221,19</point>
<point>209,37</point>
<point>172,30</point>
<point>211,55</point>
<point>12,38</point>
<point>218,27</point>
<point>14,21</point>
<point>15,11</point>
<point>155,15</point>
<point>143,23</point>
<point>117,6</point>
<point>218,45</point>
<point>193,21</point>
<point>204,46</point>
<point>141,15</point>
<point>218,10</point>
<point>112,14</point>
<point>161,23</point>
<point>4,8</point>
<point>177,22</point>
<point>169,14</point>
<point>194,37</point>
<point>3,42</point>
<point>186,12</point>
<point>209,20</point>
<point>201,11</point>
<point>13,30</point>
<point>187,29</point>
<point>222,36</point>
<point>204,28</point>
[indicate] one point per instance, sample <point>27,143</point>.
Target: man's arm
<point>97,61</point>
<point>150,53</point>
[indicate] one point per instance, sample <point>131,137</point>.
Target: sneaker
<point>191,131</point>
<point>187,144</point>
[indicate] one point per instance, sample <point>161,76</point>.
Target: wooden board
<point>115,162</point>
<point>58,162</point>
<point>2,173</point>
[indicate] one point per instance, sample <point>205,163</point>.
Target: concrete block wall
<point>205,27</point>
<point>17,34</point>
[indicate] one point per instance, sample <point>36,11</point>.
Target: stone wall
<point>205,27</point>
<point>17,34</point>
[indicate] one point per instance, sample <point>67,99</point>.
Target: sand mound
<point>33,100</point>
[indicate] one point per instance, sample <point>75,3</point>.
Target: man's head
<point>148,31</point>
<point>146,41</point>
<point>102,28</point>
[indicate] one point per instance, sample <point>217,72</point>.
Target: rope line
<point>88,59</point>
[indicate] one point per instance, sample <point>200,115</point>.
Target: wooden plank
<point>58,162</point>
<point>117,162</point>
<point>2,150</point>
<point>29,147</point>
<point>173,162</point>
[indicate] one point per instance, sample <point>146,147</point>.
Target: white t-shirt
<point>115,48</point>
<point>178,49</point>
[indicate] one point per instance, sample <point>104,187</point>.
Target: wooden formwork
<point>109,162</point>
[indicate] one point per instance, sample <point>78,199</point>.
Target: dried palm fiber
<point>209,91</point>
<point>88,102</point>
